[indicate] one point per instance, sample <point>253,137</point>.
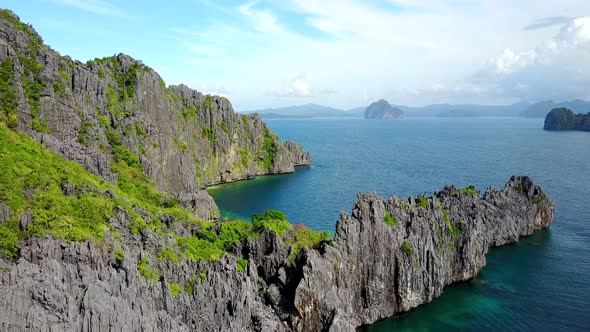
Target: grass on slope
<point>33,179</point>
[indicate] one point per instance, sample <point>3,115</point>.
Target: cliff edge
<point>117,107</point>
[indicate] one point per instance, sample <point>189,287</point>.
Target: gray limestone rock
<point>5,212</point>
<point>371,270</point>
<point>87,112</point>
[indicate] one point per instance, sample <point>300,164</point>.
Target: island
<point>104,223</point>
<point>565,119</point>
<point>381,109</point>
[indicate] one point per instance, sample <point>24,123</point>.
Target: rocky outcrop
<point>374,269</point>
<point>298,156</point>
<point>87,112</point>
<point>387,257</point>
<point>565,119</point>
<point>381,109</point>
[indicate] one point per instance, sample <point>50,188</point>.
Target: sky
<point>340,53</point>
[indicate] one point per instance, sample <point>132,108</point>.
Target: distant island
<point>565,119</point>
<point>381,109</point>
<point>521,109</point>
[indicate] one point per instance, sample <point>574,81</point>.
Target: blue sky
<point>342,53</point>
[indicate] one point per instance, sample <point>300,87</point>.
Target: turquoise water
<point>540,283</point>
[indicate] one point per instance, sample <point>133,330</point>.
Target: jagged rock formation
<point>387,257</point>
<point>565,119</point>
<point>381,109</point>
<point>85,112</point>
<point>374,269</point>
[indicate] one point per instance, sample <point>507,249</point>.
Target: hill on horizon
<point>541,109</point>
<point>520,109</point>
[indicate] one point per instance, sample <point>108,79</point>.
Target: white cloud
<point>264,20</point>
<point>416,52</point>
<point>556,69</point>
<point>297,87</point>
<point>300,88</point>
<point>576,32</point>
<point>510,61</point>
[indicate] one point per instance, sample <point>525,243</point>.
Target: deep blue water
<point>540,284</point>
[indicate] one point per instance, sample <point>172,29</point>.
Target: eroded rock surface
<point>87,112</point>
<point>388,256</point>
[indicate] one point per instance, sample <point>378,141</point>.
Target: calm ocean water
<point>539,284</point>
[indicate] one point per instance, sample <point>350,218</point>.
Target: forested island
<point>565,119</point>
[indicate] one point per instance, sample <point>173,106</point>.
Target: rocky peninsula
<point>565,119</point>
<point>104,224</point>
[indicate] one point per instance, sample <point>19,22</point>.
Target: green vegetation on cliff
<point>422,201</point>
<point>7,94</point>
<point>269,149</point>
<point>468,191</point>
<point>33,184</point>
<point>147,271</point>
<point>306,238</point>
<point>59,198</point>
<point>273,220</point>
<point>389,219</point>
<point>175,289</point>
<point>64,200</point>
<point>31,76</point>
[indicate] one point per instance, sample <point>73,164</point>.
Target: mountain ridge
<point>520,109</point>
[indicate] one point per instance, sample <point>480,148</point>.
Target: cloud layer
<point>556,69</point>
<point>347,53</point>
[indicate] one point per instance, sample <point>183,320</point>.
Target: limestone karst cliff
<point>132,265</point>
<point>113,107</point>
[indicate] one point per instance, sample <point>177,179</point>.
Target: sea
<point>541,283</point>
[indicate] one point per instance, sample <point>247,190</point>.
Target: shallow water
<point>539,284</point>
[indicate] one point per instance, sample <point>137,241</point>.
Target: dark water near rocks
<point>540,284</point>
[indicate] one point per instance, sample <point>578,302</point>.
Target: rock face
<point>382,110</point>
<point>298,156</point>
<point>85,112</point>
<point>565,119</point>
<point>387,257</point>
<point>374,269</point>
